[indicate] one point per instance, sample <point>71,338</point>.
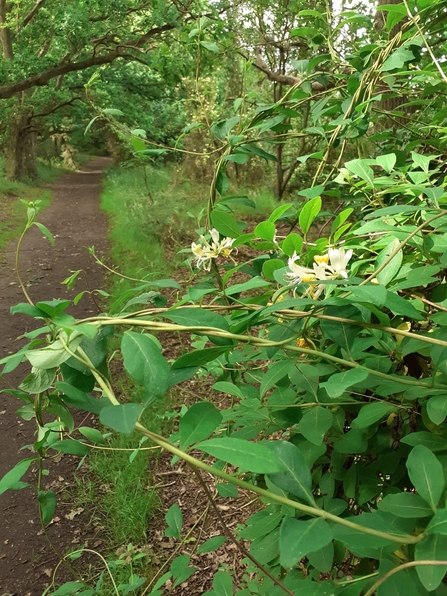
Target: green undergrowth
<point>150,220</point>
<point>12,210</point>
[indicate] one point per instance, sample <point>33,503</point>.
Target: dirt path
<point>74,217</point>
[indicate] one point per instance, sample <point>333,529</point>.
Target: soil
<point>74,218</point>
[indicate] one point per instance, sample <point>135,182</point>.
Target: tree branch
<point>29,17</point>
<point>283,79</point>
<point>58,107</point>
<point>42,79</point>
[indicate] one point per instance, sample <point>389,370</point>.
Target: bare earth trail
<point>75,219</point>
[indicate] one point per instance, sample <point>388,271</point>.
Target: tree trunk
<point>5,33</point>
<point>21,148</point>
<point>389,104</point>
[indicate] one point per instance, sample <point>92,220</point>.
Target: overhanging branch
<point>277,77</point>
<point>42,79</point>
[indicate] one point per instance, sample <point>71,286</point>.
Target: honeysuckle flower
<point>325,267</point>
<point>339,260</point>
<point>298,274</point>
<point>204,252</point>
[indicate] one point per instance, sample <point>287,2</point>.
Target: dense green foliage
<point>325,323</point>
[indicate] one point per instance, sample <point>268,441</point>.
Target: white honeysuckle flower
<point>204,252</point>
<point>321,272</point>
<point>214,236</point>
<point>339,258</point>
<point>297,274</point>
<point>325,267</point>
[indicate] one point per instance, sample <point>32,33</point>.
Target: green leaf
<point>338,383</point>
<point>225,224</point>
<point>198,317</point>
<point>269,267</point>
<point>68,589</point>
<point>209,45</point>
<point>322,559</point>
<point>113,112</point>
<point>279,211</point>
<point>53,308</point>
<point>225,489</point>
<point>296,477</point>
<point>343,334</point>
<point>438,524</point>
<point>240,158</point>
<point>252,284</point>
<point>199,357</point>
<point>315,424</point>
<point>223,584</point>
<point>392,268</point>
<point>174,519</point>
<point>423,161</point>
<point>80,400</point>
<point>47,504</point>
<point>71,446</point>
<point>137,144</point>
<point>265,230</point>
<point>12,477</point>
<point>397,60</point>
<point>387,161</point>
<point>399,583</point>
<point>429,440</point>
<point>361,168</point>
<point>253,457</point>
<point>38,381</point>
<point>426,474</point>
<point>198,423</point>
<point>405,505</point>
<point>121,418</point>
<point>53,355</point>
<point>92,434</point>
<point>376,294</point>
<point>308,213</point>
<point>45,231</point>
<point>399,306</point>
<point>222,183</point>
<point>298,538</point>
<point>211,545</point>
<point>255,150</point>
<point>227,387</point>
<point>372,413</point>
<point>277,371</point>
<point>292,243</point>
<point>144,362</point>
<point>437,408</point>
<point>23,308</point>
<point>431,548</point>
<point>354,441</point>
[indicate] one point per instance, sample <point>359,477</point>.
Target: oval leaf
<point>253,457</point>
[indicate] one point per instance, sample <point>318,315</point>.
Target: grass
<point>150,219</point>
<point>12,210</point>
<point>147,215</point>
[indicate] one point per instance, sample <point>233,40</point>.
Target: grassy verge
<point>150,220</point>
<point>12,211</point>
